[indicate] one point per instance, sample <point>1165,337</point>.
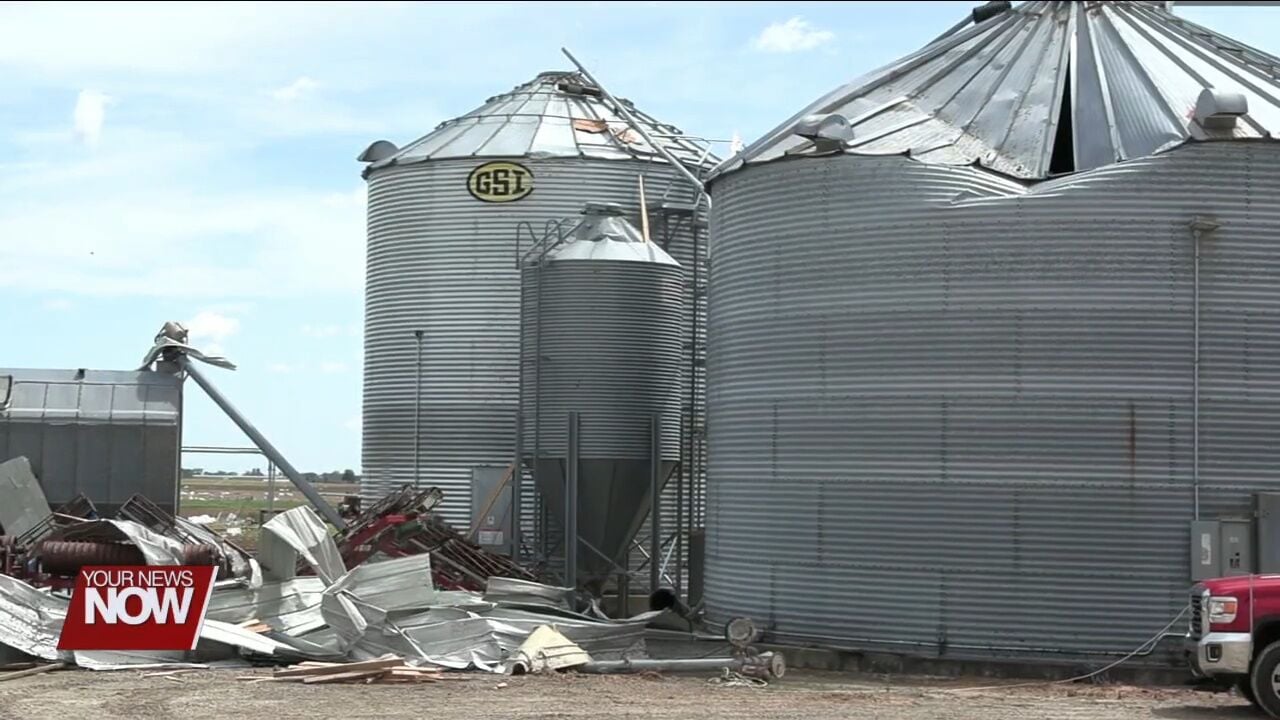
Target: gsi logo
<point>499,182</point>
<point>137,608</point>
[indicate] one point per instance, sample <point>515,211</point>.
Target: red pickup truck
<point>1234,636</point>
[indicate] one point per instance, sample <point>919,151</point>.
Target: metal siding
<point>611,349</point>
<point>952,415</point>
<point>444,262</point>
<point>106,434</point>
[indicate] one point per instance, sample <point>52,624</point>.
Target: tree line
<point>335,476</point>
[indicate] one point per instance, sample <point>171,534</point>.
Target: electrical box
<point>1205,562</point>
<point>1222,548</point>
<point>491,508</point>
<point>1236,542</point>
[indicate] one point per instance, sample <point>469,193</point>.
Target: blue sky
<point>197,162</point>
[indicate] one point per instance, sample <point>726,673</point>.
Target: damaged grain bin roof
<point>555,115</point>
<point>1044,89</point>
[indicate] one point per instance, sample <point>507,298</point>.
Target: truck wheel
<point>1264,678</point>
<point>1244,686</point>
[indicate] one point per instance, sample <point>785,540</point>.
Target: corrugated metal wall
<point>952,416</point>
<point>105,434</point>
<point>441,261</point>
<point>603,338</point>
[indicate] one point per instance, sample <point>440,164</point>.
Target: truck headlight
<point>1222,609</point>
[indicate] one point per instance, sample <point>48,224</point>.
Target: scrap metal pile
<point>47,549</point>
<point>372,594</point>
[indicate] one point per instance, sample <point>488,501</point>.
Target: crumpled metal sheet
<point>31,619</point>
<point>603,639</point>
<point>242,566</point>
<point>237,637</point>
<point>391,585</point>
<point>472,642</point>
<point>23,505</point>
<point>511,590</point>
<point>291,607</point>
<point>156,548</point>
<point>323,644</point>
<point>164,342</point>
<point>360,601</point>
<point>302,531</point>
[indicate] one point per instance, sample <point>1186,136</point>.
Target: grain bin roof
<point>1048,88</point>
<point>555,115</point>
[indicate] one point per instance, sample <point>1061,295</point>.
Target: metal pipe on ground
<point>263,444</point>
<point>768,664</point>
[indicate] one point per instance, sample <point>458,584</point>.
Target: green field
<point>243,497</point>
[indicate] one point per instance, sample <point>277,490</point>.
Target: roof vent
<point>1219,109</point>
<point>379,150</point>
<point>574,88</point>
<point>990,10</point>
<point>826,131</point>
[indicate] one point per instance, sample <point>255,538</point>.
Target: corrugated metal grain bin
<point>442,259</point>
<point>105,434</point>
<point>601,336</point>
<point>956,311</point>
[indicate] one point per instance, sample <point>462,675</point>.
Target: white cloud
<point>321,331</point>
<point>89,115</point>
<point>281,368</point>
<point>794,35</point>
<point>58,305</point>
<point>333,367</point>
<point>208,329</point>
<point>295,89</point>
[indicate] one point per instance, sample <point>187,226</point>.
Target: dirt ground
<point>77,694</point>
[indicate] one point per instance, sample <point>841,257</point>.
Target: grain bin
<point>443,289</point>
<point>989,327</point>
<point>601,337</point>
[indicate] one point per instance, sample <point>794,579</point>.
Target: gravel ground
<point>82,694</point>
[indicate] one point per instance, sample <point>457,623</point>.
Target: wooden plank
<point>346,676</point>
<point>411,675</point>
<point>31,671</point>
<point>379,664</point>
<point>169,673</point>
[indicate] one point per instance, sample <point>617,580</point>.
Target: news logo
<point>137,608</point>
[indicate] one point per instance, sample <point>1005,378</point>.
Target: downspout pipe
<point>313,495</point>
<point>1200,227</point>
<point>635,125</point>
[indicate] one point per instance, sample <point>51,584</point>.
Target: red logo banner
<point>137,608</point>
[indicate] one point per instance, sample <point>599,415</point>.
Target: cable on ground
<point>1142,649</point>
